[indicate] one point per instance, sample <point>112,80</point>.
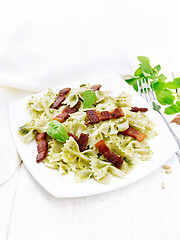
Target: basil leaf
<point>178,103</point>
<point>152,84</point>
<point>165,97</point>
<point>177,81</point>
<point>143,59</point>
<point>162,78</point>
<point>135,86</point>
<point>164,90</point>
<point>172,85</point>
<point>146,67</point>
<point>89,98</point>
<point>158,68</point>
<point>131,80</point>
<point>56,130</point>
<point>138,73</point>
<point>156,107</point>
<point>152,77</point>
<point>171,109</point>
<point>158,86</point>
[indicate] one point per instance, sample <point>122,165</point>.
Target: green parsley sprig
<point>167,92</point>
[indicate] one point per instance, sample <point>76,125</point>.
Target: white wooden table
<point>140,211</point>
<point>143,210</point>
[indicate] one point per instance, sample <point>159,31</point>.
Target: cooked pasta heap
<point>103,140</point>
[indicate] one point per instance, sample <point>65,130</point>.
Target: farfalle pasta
<point>90,163</point>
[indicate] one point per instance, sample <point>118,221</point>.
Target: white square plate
<point>64,186</point>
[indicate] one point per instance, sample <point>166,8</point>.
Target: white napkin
<point>44,43</point>
<point>9,160</point>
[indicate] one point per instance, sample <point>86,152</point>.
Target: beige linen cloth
<point>46,43</point>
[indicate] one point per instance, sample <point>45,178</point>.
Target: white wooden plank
<point>9,160</point>
<point>140,211</point>
<point>7,194</point>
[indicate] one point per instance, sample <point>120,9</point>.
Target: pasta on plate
<point>91,149</point>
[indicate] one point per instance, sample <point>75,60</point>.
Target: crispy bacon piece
<point>61,117</point>
<point>117,113</point>
<point>40,136</point>
<point>72,135</point>
<point>74,109</point>
<point>105,115</point>
<point>96,87</point>
<point>96,117</point>
<point>64,91</point>
<point>60,98</point>
<point>42,146</point>
<point>57,103</point>
<point>66,113</point>
<point>132,132</point>
<point>93,117</point>
<point>82,141</point>
<point>112,157</point>
<point>87,123</point>
<point>119,161</point>
<point>41,156</point>
<point>137,109</point>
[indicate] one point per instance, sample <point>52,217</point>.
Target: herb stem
<point>177,93</point>
<point>167,92</point>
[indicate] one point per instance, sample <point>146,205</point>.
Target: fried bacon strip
<point>117,113</point>
<point>72,135</point>
<point>40,136</point>
<point>95,87</point>
<point>93,116</point>
<point>81,141</point>
<point>64,91</point>
<point>57,103</point>
<point>74,109</point>
<point>132,132</point>
<point>112,157</point>
<point>60,98</point>
<point>105,115</point>
<point>96,117</point>
<point>42,146</point>
<point>61,117</point>
<point>66,113</point>
<point>137,109</point>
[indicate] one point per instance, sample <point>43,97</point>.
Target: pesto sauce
<point>23,130</point>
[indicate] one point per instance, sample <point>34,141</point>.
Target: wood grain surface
<point>140,211</point>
